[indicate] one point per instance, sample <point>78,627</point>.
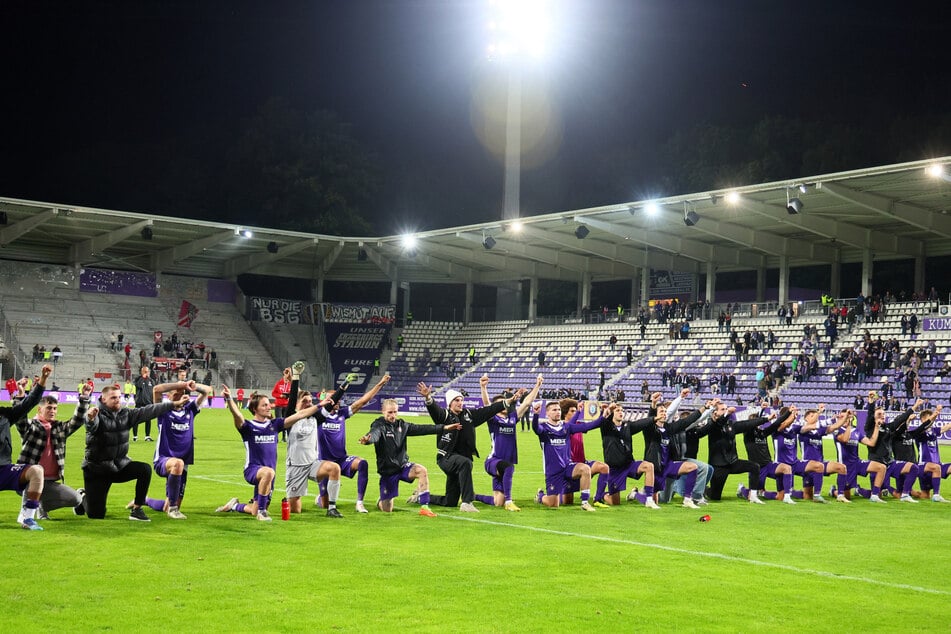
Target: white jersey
<point>302,442</point>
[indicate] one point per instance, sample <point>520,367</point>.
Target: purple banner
<point>354,348</point>
<point>937,323</point>
<point>117,282</point>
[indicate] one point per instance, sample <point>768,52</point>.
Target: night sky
<point>86,80</point>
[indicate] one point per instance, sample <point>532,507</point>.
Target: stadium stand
<point>575,355</point>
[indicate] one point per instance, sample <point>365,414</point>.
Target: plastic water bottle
<point>285,509</point>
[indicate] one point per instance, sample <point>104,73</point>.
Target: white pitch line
<point>684,551</point>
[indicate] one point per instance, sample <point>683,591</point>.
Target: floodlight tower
<point>518,33</point>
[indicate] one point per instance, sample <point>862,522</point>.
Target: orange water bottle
<point>285,509</point>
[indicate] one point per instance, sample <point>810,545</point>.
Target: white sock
<point>333,490</point>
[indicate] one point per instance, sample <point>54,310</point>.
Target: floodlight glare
<point>409,242</point>
<point>733,197</point>
<point>519,28</point>
<point>516,226</point>
<point>802,188</point>
<point>243,233</point>
<point>935,171</point>
<point>652,209</point>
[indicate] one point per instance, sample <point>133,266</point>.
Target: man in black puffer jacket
<point>107,451</point>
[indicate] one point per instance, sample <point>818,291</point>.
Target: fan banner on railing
<point>355,313</point>
<point>111,282</point>
<point>278,311</point>
<point>187,314</point>
<point>670,284</point>
<point>354,349</point>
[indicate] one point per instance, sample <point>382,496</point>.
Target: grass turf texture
<point>751,568</point>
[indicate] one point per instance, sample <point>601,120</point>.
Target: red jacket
<point>280,392</point>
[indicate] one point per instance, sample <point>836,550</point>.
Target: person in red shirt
<point>11,386</point>
<point>282,389</point>
<point>240,396</point>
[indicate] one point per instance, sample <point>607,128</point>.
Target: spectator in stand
<point>144,384</point>
<point>541,358</point>
<point>629,353</point>
<point>612,341</point>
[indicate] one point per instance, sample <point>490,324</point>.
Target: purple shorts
<point>853,471</point>
<point>672,470</point>
<point>574,485</point>
<point>346,466</point>
<point>617,478</point>
<point>390,484</point>
<point>251,472</point>
<point>799,467</point>
<point>10,477</point>
<point>561,482</point>
<point>769,471</point>
<point>924,479</point>
<point>159,466</point>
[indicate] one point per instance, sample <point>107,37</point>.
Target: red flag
<point>187,314</point>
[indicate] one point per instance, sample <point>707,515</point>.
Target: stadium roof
<point>894,211</point>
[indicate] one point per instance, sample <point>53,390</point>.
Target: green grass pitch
<point>832,567</point>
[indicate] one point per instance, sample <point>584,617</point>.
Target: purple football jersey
<point>260,442</point>
<point>812,444</point>
<point>502,430</point>
<point>177,433</point>
<point>784,444</point>
<point>332,439</point>
<point>848,451</point>
<point>928,448</point>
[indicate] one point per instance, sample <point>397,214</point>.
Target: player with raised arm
<point>756,441</point>
<point>332,444</point>
<point>43,442</point>
<point>657,438</point>
<point>501,461</point>
<point>303,446</point>
<point>931,469</point>
<point>175,449</point>
<point>388,435</point>
<point>260,436</point>
<point>559,469</point>
<point>847,442</point>
<point>616,440</point>
<point>20,477</point>
<point>786,446</point>
<point>810,436</point>
<point>881,450</point>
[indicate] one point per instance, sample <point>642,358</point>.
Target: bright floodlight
<point>936,170</point>
<point>244,233</point>
<point>519,28</point>
<point>652,209</point>
<point>733,197</point>
<point>409,241</point>
<point>516,226</point>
